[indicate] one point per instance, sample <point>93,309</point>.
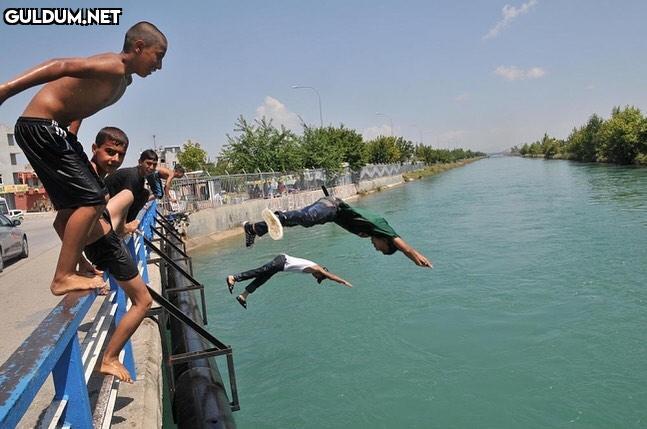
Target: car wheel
<point>1,261</point>
<point>25,248</point>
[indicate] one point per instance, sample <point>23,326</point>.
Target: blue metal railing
<point>54,348</point>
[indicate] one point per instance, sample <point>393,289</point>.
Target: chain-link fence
<point>195,193</point>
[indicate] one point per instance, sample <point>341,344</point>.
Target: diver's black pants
<point>261,274</point>
<point>322,211</point>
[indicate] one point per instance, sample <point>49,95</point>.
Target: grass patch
<point>432,170</point>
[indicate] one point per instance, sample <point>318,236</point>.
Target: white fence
<point>197,193</point>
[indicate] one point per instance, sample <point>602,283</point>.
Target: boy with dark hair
<point>361,222</point>
<point>281,262</point>
<point>155,180</point>
<point>128,194</point>
<point>74,89</point>
<point>108,252</point>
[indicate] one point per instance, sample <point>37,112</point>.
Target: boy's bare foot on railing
<point>87,269</point>
<point>116,368</point>
<point>131,227</point>
<point>77,281</point>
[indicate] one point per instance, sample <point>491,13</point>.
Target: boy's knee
<point>147,302</point>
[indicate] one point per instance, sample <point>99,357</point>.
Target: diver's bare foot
<point>77,282</point>
<point>230,283</point>
<point>116,368</point>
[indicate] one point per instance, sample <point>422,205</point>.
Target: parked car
<point>16,214</point>
<point>13,240</point>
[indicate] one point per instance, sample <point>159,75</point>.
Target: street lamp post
<point>389,118</point>
<point>318,98</point>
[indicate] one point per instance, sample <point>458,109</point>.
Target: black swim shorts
<point>109,253</point>
<point>60,163</point>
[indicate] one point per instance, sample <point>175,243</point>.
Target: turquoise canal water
<point>534,315</point>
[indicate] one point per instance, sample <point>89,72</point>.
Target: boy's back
<point>70,98</point>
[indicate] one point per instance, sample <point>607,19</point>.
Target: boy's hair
<point>179,168</point>
<point>113,134</point>
<point>145,31</point>
<point>148,154</point>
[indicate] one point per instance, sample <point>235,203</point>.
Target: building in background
<point>168,156</point>
<point>19,185</point>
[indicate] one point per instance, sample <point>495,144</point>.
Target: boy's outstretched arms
<point>86,68</point>
<point>417,257</point>
<point>330,276</point>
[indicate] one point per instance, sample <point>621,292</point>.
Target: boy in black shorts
<point>109,252</point>
<point>74,89</point>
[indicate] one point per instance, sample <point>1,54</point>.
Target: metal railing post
<point>121,299</point>
<point>69,383</point>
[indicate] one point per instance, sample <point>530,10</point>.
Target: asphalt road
<point>40,236</point>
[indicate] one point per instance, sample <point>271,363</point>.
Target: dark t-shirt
<point>129,178</point>
<point>362,221</point>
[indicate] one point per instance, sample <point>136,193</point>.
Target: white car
<point>13,240</point>
<point>16,214</point>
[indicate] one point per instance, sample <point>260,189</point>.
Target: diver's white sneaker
<point>274,226</point>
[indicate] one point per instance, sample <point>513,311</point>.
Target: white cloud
<point>373,132</point>
<point>509,14</point>
<point>279,114</point>
<point>515,73</point>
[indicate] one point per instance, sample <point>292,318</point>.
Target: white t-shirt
<point>296,265</point>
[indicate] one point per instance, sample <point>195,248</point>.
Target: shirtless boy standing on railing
<point>76,88</point>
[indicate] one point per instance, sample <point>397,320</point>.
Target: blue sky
<point>484,75</point>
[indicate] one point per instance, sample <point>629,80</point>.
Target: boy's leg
<point>257,282</point>
<point>321,211</point>
<point>118,209</point>
<point>99,230</point>
<point>81,220</point>
<point>141,302</point>
<point>272,267</point>
<point>71,182</point>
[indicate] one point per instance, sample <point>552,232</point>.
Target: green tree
<point>582,143</point>
<point>405,148</point>
<point>351,145</point>
<point>329,147</point>
<point>383,150</point>
<point>192,156</point>
<point>621,137</point>
<point>261,146</point>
